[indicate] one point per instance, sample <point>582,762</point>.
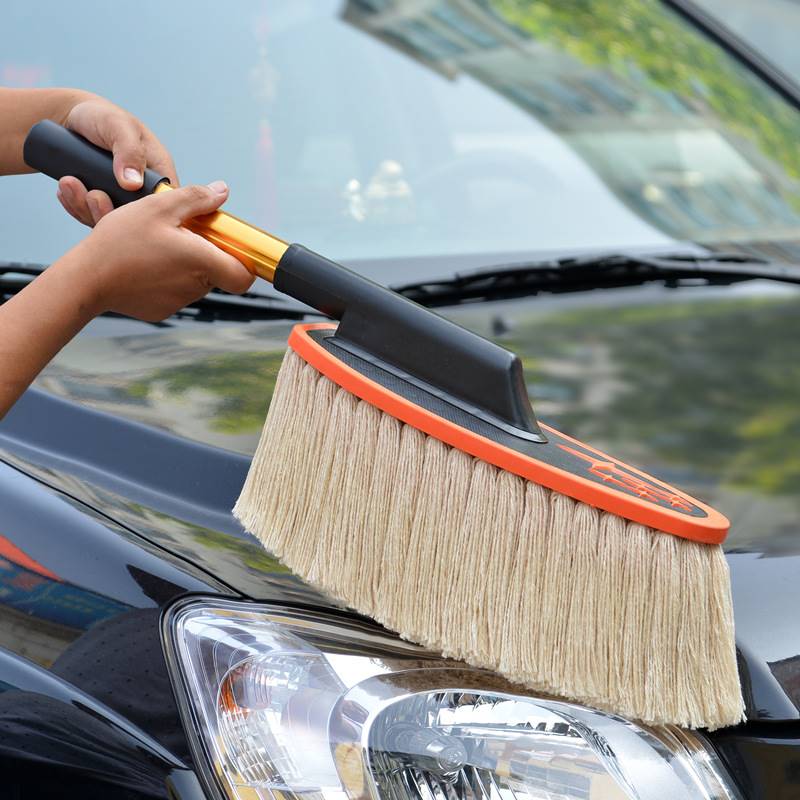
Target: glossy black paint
<point>765,758</point>
<point>93,508</point>
<point>116,485</point>
<point>55,737</point>
<point>175,492</point>
<point>81,595</point>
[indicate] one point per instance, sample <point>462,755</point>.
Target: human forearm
<point>139,261</point>
<point>20,109</point>
<point>106,125</point>
<point>36,323</point>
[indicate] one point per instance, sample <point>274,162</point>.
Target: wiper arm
<point>606,271</point>
<point>216,305</point>
<point>15,275</point>
<point>250,306</point>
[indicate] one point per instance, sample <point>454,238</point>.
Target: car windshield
<point>397,128</point>
<point>769,26</point>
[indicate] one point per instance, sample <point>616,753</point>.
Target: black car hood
<point>154,428</point>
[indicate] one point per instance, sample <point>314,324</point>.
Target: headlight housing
<point>288,704</point>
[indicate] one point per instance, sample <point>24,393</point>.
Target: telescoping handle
<point>394,329</point>
<point>55,151</point>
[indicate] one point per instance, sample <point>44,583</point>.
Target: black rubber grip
<point>411,338</point>
<point>55,151</point>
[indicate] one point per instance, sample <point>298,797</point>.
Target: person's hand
<point>140,262</point>
<point>134,147</point>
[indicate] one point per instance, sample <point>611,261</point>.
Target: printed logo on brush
<point>612,474</point>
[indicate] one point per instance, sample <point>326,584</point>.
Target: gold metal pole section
<point>258,250</point>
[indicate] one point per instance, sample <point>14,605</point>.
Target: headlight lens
<point>293,705</point>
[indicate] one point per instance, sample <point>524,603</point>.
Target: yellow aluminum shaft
<point>258,250</point>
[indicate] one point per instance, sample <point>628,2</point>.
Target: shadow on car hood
<point>155,428</point>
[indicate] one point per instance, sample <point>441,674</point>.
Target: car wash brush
<point>402,470</point>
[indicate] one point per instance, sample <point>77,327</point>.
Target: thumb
<point>192,201</point>
<point>111,128</point>
<point>130,156</point>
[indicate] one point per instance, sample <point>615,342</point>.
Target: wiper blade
<point>216,305</point>
<point>13,272</point>
<point>605,271</point>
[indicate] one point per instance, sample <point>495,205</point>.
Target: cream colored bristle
<point>482,565</point>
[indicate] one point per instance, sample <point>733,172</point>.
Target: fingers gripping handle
<point>56,151</point>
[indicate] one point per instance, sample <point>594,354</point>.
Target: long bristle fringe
<point>487,567</point>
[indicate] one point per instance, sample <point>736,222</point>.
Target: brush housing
<point>429,353</point>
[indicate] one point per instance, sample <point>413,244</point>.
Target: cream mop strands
<point>591,596</point>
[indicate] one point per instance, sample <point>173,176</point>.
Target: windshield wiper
<point>500,282</point>
<point>605,271</point>
<point>250,306</point>
<point>216,305</point>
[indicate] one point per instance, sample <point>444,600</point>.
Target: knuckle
<point>137,152</point>
<point>127,131</point>
<point>203,281</point>
<point>139,145</point>
<point>197,192</point>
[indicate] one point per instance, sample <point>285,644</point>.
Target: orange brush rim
<point>710,529</point>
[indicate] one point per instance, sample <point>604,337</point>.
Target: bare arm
<point>133,144</point>
<point>36,323</point>
<point>138,261</point>
<point>20,109</point>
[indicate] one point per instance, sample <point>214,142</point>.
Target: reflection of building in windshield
<point>684,164</point>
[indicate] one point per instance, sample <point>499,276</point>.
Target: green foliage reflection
<point>242,383</point>
<point>711,388</point>
<point>641,39</point>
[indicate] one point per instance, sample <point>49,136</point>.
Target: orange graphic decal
<point>610,473</point>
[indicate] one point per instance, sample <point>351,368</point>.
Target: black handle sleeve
<point>410,337</point>
<point>55,151</point>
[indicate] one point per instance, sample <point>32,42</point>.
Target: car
<point>611,190</point>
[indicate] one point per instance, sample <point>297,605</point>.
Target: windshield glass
<point>394,128</point>
<point>769,26</point>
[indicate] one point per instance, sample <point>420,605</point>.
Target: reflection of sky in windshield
<point>437,128</point>
<point>769,25</point>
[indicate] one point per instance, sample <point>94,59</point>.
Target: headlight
<point>294,705</point>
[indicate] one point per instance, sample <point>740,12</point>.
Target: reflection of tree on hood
<point>242,384</point>
<point>712,387</point>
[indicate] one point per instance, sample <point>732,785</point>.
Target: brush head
<point>543,456</point>
<point>483,565</point>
